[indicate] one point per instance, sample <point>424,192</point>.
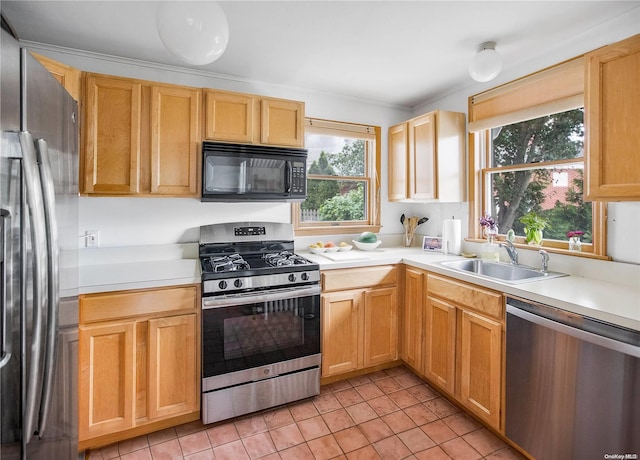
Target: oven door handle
<point>261,296</point>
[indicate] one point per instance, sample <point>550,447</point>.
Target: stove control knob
<point>237,283</point>
<point>304,276</point>
<point>222,285</point>
<point>292,277</point>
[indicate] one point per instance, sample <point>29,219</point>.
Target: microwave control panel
<point>299,181</point>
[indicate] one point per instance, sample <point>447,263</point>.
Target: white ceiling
<point>392,52</point>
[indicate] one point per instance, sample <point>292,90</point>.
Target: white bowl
<point>366,246</point>
<point>331,249</point>
<point>345,248</point>
<point>317,250</point>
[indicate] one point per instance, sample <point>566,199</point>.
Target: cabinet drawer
<point>354,278</point>
<point>123,304</point>
<point>482,300</point>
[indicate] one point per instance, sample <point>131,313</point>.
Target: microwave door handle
<point>289,172</point>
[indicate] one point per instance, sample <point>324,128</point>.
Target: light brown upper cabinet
<point>245,118</point>
<point>140,138</point>
<point>175,140</point>
<point>427,158</point>
<point>69,77</point>
<point>612,111</point>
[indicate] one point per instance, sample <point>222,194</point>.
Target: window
<point>530,164</point>
<point>343,170</point>
<point>529,157</point>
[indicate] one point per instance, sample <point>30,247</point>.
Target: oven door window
<point>243,175</point>
<point>256,334</point>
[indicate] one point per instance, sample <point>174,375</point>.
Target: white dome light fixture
<point>196,32</point>
<point>486,64</point>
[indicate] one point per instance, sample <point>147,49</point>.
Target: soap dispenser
<point>490,250</point>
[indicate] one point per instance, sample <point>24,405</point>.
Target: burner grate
<point>284,258</point>
<point>228,263</point>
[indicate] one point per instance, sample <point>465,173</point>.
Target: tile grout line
<point>403,378</point>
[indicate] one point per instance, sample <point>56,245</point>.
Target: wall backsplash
<point>146,221</point>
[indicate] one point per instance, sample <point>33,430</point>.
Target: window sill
<point>550,249</point>
<point>336,230</point>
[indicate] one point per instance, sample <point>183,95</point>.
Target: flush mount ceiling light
<point>196,32</point>
<point>486,64</point>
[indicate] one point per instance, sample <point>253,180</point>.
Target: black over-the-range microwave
<point>242,172</point>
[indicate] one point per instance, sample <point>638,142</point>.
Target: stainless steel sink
<point>508,273</point>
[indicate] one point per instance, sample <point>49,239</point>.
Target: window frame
<point>511,103</point>
<point>371,177</point>
<point>480,164</point>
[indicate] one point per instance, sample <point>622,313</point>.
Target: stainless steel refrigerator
<point>38,260</point>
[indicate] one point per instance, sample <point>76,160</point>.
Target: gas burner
<point>228,263</point>
<point>284,258</point>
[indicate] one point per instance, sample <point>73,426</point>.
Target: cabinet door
<point>172,379</point>
<point>398,167</point>
<point>111,162</point>
<point>107,384</point>
<point>229,116</point>
<point>414,296</point>
<point>422,158</point>
<point>282,122</point>
<point>480,374</point>
<point>341,323</point>
<point>175,137</point>
<point>69,77</point>
<point>612,111</point>
<point>440,343</point>
<point>380,326</point>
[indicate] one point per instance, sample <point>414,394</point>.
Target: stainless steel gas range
<point>260,319</point>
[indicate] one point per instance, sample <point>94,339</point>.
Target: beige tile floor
<point>389,414</point>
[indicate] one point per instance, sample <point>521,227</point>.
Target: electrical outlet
<point>92,238</point>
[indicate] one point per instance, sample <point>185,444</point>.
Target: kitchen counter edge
<point>605,301</point>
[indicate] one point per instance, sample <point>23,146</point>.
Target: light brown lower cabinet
<point>139,354</point>
<point>411,330</point>
<point>481,365</point>
<point>462,340</point>
<point>359,319</point>
<point>440,343</point>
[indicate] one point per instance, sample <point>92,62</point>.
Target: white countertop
<point>138,275</point>
<point>607,301</point>
<point>618,304</point>
<point>119,269</point>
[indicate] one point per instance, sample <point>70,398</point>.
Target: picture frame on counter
<point>432,243</point>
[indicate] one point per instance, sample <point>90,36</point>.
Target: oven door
<point>257,329</point>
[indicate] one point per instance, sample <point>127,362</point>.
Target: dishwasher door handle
<point>590,337</point>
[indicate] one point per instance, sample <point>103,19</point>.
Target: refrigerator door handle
<point>35,203</point>
<point>7,329</point>
<point>53,285</point>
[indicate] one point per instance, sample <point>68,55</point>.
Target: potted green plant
<point>533,227</point>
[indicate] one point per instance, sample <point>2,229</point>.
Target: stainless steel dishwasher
<point>572,384</point>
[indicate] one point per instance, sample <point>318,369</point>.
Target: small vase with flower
<point>574,240</point>
<point>489,249</point>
